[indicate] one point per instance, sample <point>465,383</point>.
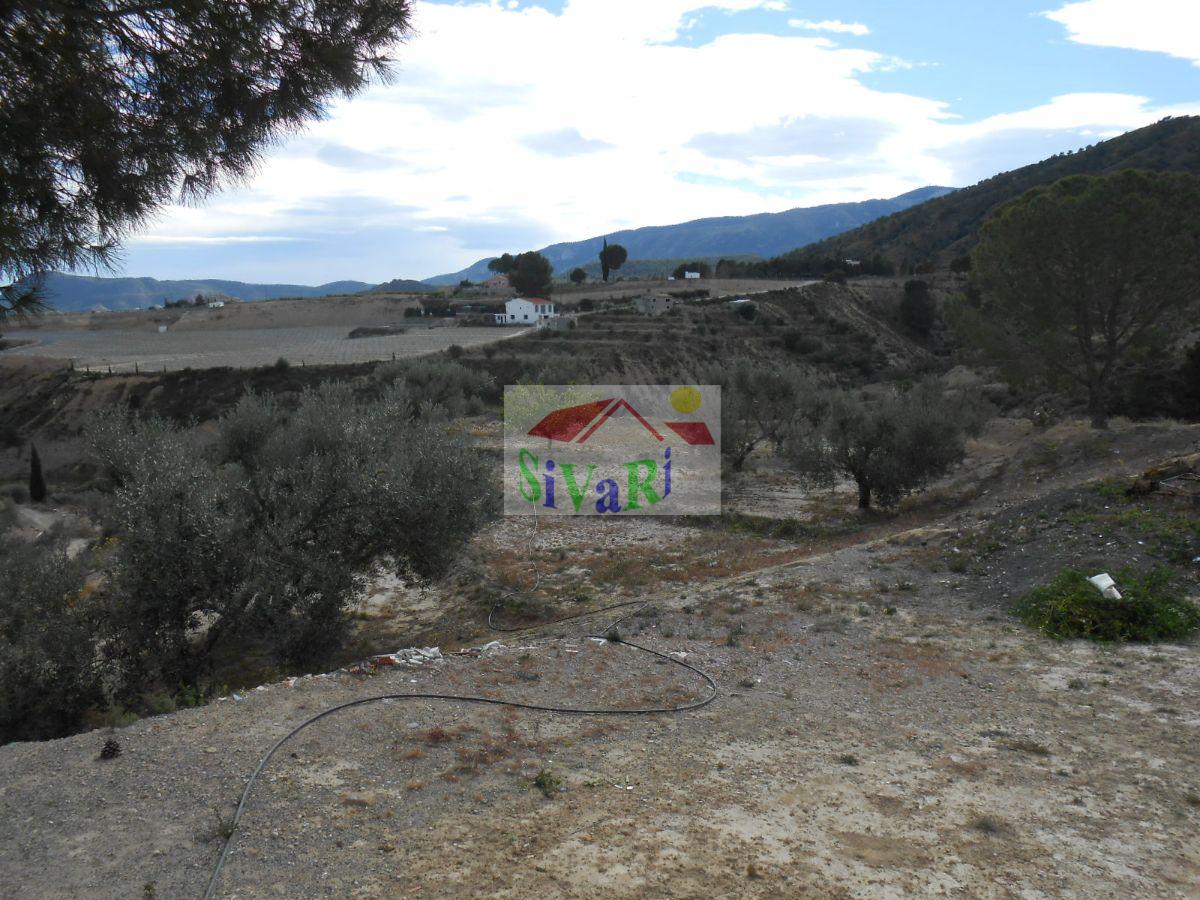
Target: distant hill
<point>764,234</point>
<point>74,293</point>
<point>947,227</point>
<point>400,286</point>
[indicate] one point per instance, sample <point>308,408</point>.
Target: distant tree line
<point>799,264</point>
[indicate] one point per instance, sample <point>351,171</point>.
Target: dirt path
<point>884,729</point>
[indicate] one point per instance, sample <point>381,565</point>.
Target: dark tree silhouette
<point>578,276</point>
<point>531,275</point>
<point>37,482</point>
<point>612,257</point>
<point>111,108</point>
<point>1079,276</point>
<point>502,264</point>
<point>918,309</point>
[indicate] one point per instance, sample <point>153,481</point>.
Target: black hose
<point>609,635</point>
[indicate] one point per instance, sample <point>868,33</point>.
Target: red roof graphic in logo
<point>695,433</point>
<point>568,423</point>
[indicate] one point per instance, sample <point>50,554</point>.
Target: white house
<point>691,276</point>
<point>522,311</point>
<point>216,304</point>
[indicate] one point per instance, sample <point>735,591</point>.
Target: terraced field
<point>150,350</point>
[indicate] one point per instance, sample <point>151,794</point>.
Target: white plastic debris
<point>410,656</point>
<point>1106,586</point>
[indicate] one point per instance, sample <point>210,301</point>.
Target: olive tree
<point>1079,275</point>
<point>267,534</point>
<point>760,404</point>
<point>889,445</point>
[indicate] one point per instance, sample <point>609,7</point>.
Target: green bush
<point>438,381</point>
<point>1152,608</point>
<point>266,536</point>
<point>49,671</point>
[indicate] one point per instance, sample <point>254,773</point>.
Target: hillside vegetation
<point>946,228</point>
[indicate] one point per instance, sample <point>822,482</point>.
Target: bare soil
<point>884,727</point>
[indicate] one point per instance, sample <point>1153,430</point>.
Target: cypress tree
<point>37,482</point>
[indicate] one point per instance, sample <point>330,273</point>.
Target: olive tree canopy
<point>111,108</point>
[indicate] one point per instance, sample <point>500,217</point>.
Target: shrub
<point>49,672</point>
<point>796,341</point>
<point>454,351</point>
<point>918,309</point>
<point>267,535</point>
<point>438,381</point>
<point>1152,608</point>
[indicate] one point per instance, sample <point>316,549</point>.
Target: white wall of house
<point>691,276</point>
<point>521,311</point>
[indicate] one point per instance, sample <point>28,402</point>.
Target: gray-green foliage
<point>437,381</point>
<point>889,445</point>
<point>49,671</point>
<point>760,404</point>
<point>1079,275</point>
<point>267,534</point>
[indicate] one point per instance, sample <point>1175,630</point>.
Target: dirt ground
<point>303,331</point>
<point>181,348</point>
<point>884,727</point>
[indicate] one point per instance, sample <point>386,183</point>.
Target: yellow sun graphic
<point>685,400</point>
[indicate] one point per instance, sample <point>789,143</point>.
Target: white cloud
<point>509,129</point>
<point>1156,26</point>
<point>213,239</point>
<point>834,25</point>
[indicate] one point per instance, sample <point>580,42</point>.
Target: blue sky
<point>511,125</point>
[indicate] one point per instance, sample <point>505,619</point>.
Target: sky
<point>510,125</point>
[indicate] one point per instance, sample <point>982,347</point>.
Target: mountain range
<point>948,227</point>
<point>73,293</point>
<point>763,234</point>
<point>931,224</point>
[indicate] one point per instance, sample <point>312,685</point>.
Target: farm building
<point>655,304</point>
<point>522,311</point>
<point>691,276</point>
<point>497,284</point>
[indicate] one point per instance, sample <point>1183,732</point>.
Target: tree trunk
<point>1097,407</point>
<point>864,495</point>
